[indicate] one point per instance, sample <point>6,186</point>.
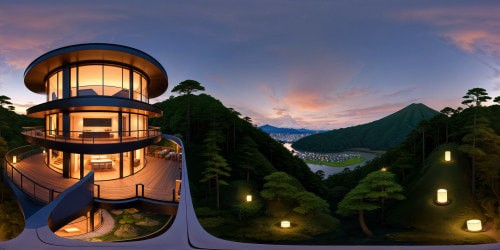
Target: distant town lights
<point>249,198</point>
<point>442,196</point>
<point>447,156</point>
<point>14,159</point>
<point>285,224</point>
<point>474,225</point>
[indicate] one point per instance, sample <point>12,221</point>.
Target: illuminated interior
<point>100,79</point>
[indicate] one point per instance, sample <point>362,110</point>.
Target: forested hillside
<point>382,134</point>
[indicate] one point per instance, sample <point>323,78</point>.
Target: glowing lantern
<point>383,169</point>
<point>285,224</point>
<point>249,198</point>
<point>442,196</point>
<point>44,151</point>
<point>447,156</point>
<point>474,225</point>
<point>14,159</point>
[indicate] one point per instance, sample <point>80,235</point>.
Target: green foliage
<point>278,186</point>
<point>310,203</point>
<point>385,133</point>
<point>376,187</point>
<point>475,96</point>
<point>187,87</point>
<point>247,209</point>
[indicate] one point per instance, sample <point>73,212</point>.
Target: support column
<point>121,165</point>
<point>82,167</point>
<point>120,125</point>
<point>66,84</point>
<point>131,87</point>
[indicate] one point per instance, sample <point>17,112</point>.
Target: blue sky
<point>315,64</point>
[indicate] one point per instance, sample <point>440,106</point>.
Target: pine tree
<point>216,166</point>
<point>370,194</point>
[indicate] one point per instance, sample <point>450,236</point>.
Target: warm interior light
<point>71,230</point>
<point>442,196</point>
<point>285,224</point>
<point>249,198</point>
<point>447,155</point>
<point>14,159</point>
<point>474,225</point>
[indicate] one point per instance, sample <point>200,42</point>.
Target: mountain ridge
<point>380,134</point>
<point>274,130</point>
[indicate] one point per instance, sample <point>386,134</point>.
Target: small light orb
<point>447,156</point>
<point>14,159</point>
<point>474,225</point>
<point>383,169</point>
<point>249,198</point>
<point>442,196</point>
<point>44,151</point>
<point>285,224</point>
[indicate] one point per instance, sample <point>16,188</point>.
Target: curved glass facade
<point>99,80</point>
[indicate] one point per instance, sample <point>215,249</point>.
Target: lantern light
<point>14,159</point>
<point>474,225</point>
<point>249,197</point>
<point>442,196</point>
<point>285,224</point>
<point>447,156</point>
<point>44,151</point>
<point>383,169</point>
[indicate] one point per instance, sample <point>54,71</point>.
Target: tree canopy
<point>187,87</point>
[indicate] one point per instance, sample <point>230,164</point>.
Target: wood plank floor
<point>158,178</point>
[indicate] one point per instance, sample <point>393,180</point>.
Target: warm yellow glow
<point>14,159</point>
<point>285,224</point>
<point>447,155</point>
<point>71,230</point>
<point>383,169</point>
<point>474,225</point>
<point>442,196</point>
<point>249,198</point>
<point>44,151</point>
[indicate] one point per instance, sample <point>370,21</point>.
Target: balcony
<point>78,141</point>
<point>25,167</point>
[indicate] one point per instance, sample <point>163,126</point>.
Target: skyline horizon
<point>317,65</point>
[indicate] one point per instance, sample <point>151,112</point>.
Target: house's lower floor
<point>156,179</point>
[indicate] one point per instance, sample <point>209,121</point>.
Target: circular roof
<point>37,71</point>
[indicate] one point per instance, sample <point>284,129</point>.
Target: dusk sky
<point>315,64</point>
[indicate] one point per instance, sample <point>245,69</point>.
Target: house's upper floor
<point>96,70</point>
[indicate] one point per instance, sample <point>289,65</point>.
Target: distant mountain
<point>380,134</point>
<point>275,130</point>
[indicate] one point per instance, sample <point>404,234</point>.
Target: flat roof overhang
<point>34,76</point>
<point>93,103</point>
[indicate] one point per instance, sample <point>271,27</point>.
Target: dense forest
<point>11,123</point>
<point>228,158</point>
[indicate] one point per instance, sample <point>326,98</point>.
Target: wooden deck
<point>158,178</point>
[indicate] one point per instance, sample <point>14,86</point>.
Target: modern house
<point>97,109</point>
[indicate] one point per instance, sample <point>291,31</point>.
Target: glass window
<point>59,85</point>
<point>113,81</point>
<point>144,90</point>
<point>53,87</point>
<point>90,80</point>
<point>73,81</point>
<point>137,86</point>
<point>126,79</point>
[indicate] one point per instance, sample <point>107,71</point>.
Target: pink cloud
<point>473,29</point>
<point>33,29</point>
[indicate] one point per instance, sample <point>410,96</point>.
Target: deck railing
<point>91,137</point>
<point>29,186</point>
